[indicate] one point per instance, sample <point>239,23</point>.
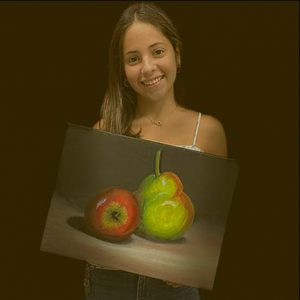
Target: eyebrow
<point>151,46</point>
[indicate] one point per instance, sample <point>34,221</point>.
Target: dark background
<point>240,64</point>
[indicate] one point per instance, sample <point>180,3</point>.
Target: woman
<point>145,58</point>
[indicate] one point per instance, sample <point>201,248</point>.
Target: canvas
<point>176,229</point>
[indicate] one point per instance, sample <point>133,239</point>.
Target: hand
<point>173,284</point>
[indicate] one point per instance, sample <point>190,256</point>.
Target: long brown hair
<point>119,104</point>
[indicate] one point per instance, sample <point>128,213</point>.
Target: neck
<point>156,110</point>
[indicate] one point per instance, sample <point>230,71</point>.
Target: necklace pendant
<point>157,123</point>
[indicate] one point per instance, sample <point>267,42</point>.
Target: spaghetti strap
<point>197,129</point>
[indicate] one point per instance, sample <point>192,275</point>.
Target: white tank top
<point>193,146</point>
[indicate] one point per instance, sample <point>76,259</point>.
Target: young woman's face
<point>150,62</point>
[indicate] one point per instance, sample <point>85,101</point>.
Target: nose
<point>148,66</point>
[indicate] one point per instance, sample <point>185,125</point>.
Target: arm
<point>211,136</point>
<point>98,124</point>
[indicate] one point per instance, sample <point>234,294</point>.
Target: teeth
<point>153,81</point>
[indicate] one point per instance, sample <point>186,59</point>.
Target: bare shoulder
<point>99,124</point>
<point>212,137</point>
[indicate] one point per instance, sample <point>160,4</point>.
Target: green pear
<point>166,211</point>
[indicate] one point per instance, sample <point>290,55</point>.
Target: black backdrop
<point>240,64</point>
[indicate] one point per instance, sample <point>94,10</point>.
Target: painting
<point>140,206</point>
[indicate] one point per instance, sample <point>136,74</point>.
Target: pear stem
<point>157,163</point>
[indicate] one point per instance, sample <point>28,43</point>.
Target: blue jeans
<point>103,284</point>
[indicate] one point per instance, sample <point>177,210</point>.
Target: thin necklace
<point>157,123</point>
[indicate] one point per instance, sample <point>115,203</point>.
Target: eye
<point>159,52</point>
<point>132,60</point>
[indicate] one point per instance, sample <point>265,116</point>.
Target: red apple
<point>112,215</point>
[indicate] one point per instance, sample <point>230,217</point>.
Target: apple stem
<point>157,163</point>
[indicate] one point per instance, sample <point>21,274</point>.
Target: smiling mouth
<point>152,82</point>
